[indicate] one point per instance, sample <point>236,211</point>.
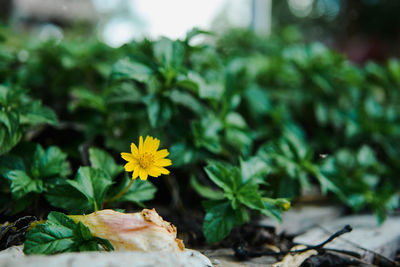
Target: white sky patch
<point>173,18</point>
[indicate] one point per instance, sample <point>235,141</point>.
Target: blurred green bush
<point>300,113</point>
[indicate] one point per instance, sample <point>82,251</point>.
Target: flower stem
<point>121,193</point>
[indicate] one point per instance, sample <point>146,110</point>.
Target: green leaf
<point>205,191</point>
<point>7,142</point>
<point>35,113</point>
<point>158,110</point>
<point>61,220</point>
<point>87,99</point>
<point>219,220</point>
<point>61,234</point>
<point>254,167</point>
<point>60,194</point>
<point>206,133</point>
<point>366,156</point>
<point>49,163</point>
<point>93,183</point>
<point>187,100</point>
<point>258,100</point>
<point>226,177</point>
<point>11,120</point>
<point>102,160</point>
<point>55,236</point>
<point>105,243</point>
<point>248,195</point>
<point>271,209</point>
<point>234,119</point>
<point>127,69</point>
<point>4,94</point>
<point>182,154</point>
<point>82,233</point>
<point>22,184</point>
<point>139,192</point>
<point>169,53</point>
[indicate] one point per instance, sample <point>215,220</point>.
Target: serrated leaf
<point>45,240</point>
<point>158,110</point>
<point>87,99</point>
<point>22,184</point>
<point>93,183</point>
<point>35,113</point>
<point>61,234</point>
<point>60,194</point>
<point>249,196</point>
<point>139,192</point>
<point>82,233</point>
<point>49,162</point>
<point>88,246</point>
<point>55,236</point>
<point>205,191</point>
<point>187,100</point>
<point>226,177</point>
<point>169,53</point>
<point>254,167</point>
<point>218,221</point>
<point>206,133</point>
<point>271,210</point>
<point>102,160</point>
<point>127,69</point>
<point>10,120</point>
<point>7,142</point>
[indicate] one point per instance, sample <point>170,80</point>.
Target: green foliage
<point>18,114</point>
<point>61,234</point>
<point>294,114</point>
<point>94,186</point>
<point>31,175</point>
<point>240,191</point>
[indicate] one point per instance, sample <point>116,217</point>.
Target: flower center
<point>146,159</point>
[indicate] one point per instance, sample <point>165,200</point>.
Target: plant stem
<point>121,193</point>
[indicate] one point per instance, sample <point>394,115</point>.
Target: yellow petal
<point>147,143</point>
<point>162,153</point>
<point>127,156</point>
<point>153,172</point>
<point>143,174</point>
<point>161,170</point>
<point>140,145</point>
<point>156,144</point>
<point>134,149</point>
<point>129,166</point>
<point>135,173</point>
<point>163,162</point>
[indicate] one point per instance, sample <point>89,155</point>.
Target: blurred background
<point>365,29</point>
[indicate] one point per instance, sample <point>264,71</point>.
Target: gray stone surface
<point>224,257</point>
<point>298,219</point>
<point>366,238</point>
<point>13,257</point>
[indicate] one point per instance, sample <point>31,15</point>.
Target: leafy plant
<point>61,234</point>
<point>18,113</point>
<point>28,177</point>
<point>240,192</point>
<point>93,186</point>
<point>299,111</point>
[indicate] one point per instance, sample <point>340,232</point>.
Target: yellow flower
<point>146,160</point>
